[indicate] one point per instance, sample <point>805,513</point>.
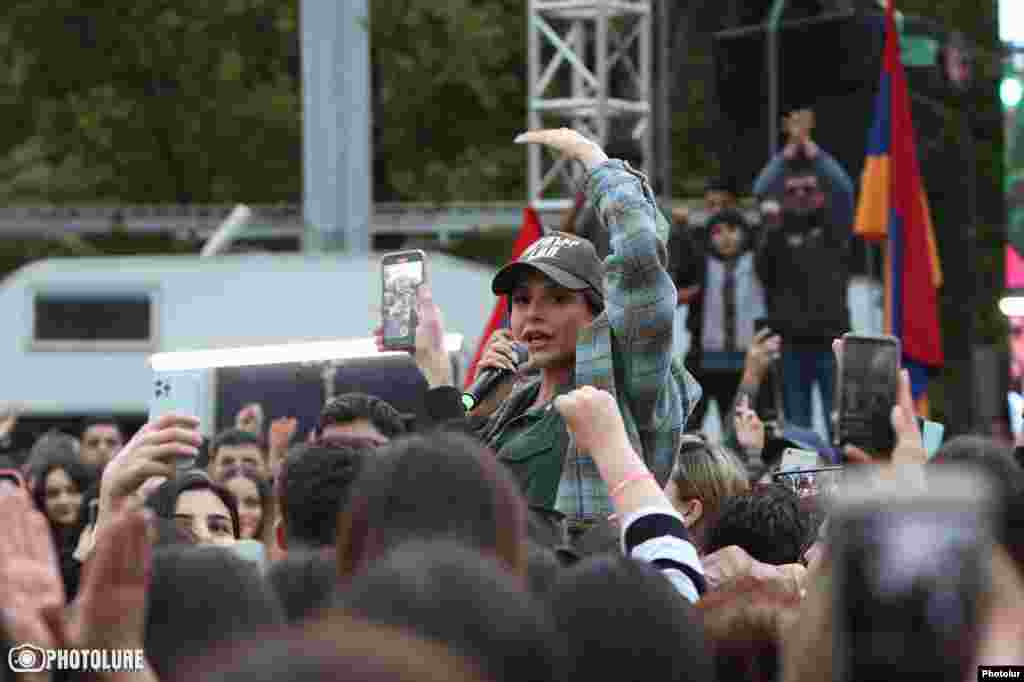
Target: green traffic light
<point>1011,91</point>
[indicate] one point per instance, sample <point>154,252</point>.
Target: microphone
<point>487,380</point>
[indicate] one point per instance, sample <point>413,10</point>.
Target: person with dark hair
<point>58,493</point>
<point>439,486</point>
<point>721,318</point>
<point>803,265</point>
<point>237,448</point>
<point>359,414</point>
<point>584,322</point>
<point>720,194</point>
<point>341,650</point>
<point>255,501</point>
<point>613,609</point>
<point>199,598</point>
<point>48,446</point>
<point>984,456</point>
<point>195,502</point>
<point>769,524</point>
<point>304,582</point>
<point>101,438</point>
<point>449,593</point>
<point>314,485</point>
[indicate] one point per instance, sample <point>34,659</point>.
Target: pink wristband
<point>637,475</point>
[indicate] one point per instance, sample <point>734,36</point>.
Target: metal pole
<point>772,60</point>
<point>664,108</point>
<point>337,159</point>
<point>603,127</point>
<point>533,151</point>
<point>646,58</point>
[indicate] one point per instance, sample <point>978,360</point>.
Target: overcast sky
<point>1011,20</point>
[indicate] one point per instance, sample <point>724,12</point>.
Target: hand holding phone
<point>402,274</point>
<point>867,387</point>
<point>154,450</point>
<point>181,393</point>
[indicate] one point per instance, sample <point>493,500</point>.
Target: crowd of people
<point>575,526</point>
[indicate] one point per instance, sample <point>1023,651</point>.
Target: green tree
<point>155,101</point>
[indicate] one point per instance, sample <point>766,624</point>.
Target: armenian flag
<point>529,232</point>
<point>893,206</point>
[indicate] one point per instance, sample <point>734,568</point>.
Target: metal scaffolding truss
<point>590,63</point>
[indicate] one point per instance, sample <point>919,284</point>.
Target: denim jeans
<point>801,369</point>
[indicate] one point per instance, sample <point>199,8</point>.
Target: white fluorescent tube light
<point>1012,306</point>
<point>318,351</point>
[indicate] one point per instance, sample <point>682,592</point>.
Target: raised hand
<point>282,430</point>
<point>909,451</point>
<point>31,589</point>
<point>152,451</point>
<point>732,564</point>
<point>568,142</point>
<point>110,610</point>
<point>764,350</point>
<point>8,420</point>
<point>593,417</point>
<point>250,418</point>
<point>430,353</point>
<point>750,431</point>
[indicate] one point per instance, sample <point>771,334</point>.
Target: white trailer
<point>80,331</point>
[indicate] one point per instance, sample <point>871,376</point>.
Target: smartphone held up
<point>867,386</point>
<point>402,274</point>
<point>181,393</point>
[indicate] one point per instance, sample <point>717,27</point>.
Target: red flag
<point>893,205</point>
<point>530,232</point>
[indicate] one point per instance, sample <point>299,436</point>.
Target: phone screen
<point>866,393</point>
<point>402,275</point>
<point>908,582</point>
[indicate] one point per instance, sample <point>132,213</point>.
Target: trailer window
<point>63,318</point>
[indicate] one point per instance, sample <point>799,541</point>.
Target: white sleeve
<point>659,537</point>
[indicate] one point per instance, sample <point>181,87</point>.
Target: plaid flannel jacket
<point>628,349</point>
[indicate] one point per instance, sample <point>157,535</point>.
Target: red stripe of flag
<point>915,310</point>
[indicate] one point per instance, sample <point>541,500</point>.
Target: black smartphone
<point>911,570</point>
<point>867,383</point>
<point>402,274</point>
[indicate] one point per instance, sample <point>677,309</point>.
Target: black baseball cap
<point>568,260</point>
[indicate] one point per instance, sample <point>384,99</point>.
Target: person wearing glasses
<point>803,264</point>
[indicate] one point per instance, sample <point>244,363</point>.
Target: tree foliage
<point>199,101</point>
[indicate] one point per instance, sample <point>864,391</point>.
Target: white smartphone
<point>179,392</point>
<point>795,459</point>
<point>251,550</point>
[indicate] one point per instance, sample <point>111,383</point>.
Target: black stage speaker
<point>830,63</point>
